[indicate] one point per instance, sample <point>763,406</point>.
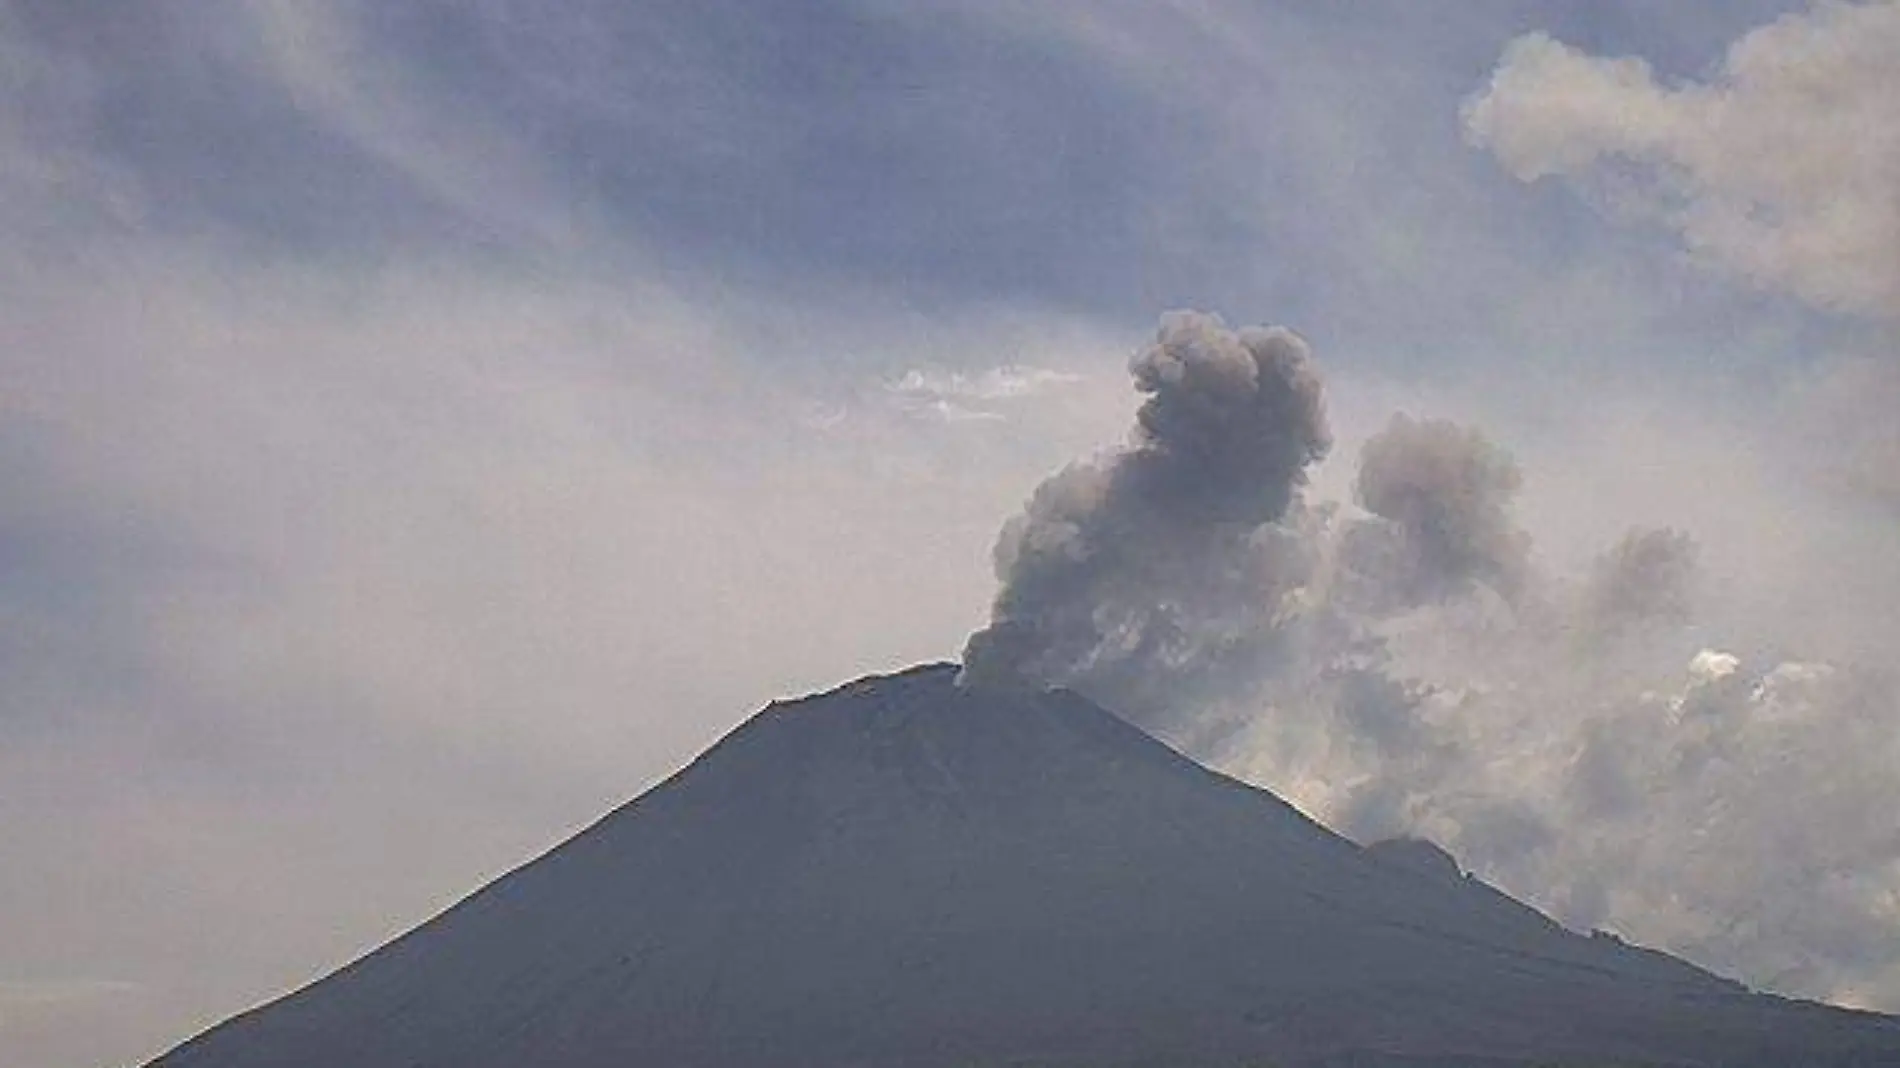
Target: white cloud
<point>1783,169</point>
<point>1710,664</point>
<point>972,397</point>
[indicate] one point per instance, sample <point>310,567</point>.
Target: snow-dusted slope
<point>901,872</point>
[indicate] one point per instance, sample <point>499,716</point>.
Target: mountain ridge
<point>904,871</point>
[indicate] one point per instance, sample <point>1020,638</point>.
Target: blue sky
<point>424,425</point>
<point>1100,159</point>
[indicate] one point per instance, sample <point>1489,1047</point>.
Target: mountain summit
<point>905,872</point>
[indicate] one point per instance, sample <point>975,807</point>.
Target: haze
<point>425,426</point>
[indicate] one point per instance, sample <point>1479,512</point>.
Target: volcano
<point>907,872</point>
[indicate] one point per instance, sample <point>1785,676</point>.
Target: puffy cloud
<point>1729,813</point>
<point>1719,808</point>
<point>1784,168</point>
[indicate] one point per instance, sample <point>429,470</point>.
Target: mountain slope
<point>902,872</point>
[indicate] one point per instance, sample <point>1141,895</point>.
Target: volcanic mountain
<point>906,872</point>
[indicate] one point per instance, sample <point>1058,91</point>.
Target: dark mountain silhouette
<point>903,872</point>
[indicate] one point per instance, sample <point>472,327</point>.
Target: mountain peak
<point>1417,855</point>
<point>905,871</point>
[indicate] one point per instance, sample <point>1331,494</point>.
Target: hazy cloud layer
<point>333,583</point>
<point>422,426</point>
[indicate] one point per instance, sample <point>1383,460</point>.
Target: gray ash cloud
<point>1163,560</point>
<point>1408,668</point>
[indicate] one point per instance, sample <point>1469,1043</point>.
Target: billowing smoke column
<point>1161,562</point>
<point>1406,669</point>
<point>1409,670</point>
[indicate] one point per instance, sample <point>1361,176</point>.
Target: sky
<point>426,426</point>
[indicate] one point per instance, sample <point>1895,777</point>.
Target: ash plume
<point>1163,560</point>
<point>1443,493</point>
<point>1413,671</point>
<point>1585,741</point>
<point>1648,576</point>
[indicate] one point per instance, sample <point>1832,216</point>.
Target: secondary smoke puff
<point>1161,560</point>
<point>1785,169</point>
<point>1446,492</point>
<point>1648,576</point>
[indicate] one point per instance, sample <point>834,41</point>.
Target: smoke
<point>1409,667</point>
<point>1784,169</point>
<point>1445,492</point>
<point>1725,808</point>
<point>1649,576</point>
<point>1163,564</point>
